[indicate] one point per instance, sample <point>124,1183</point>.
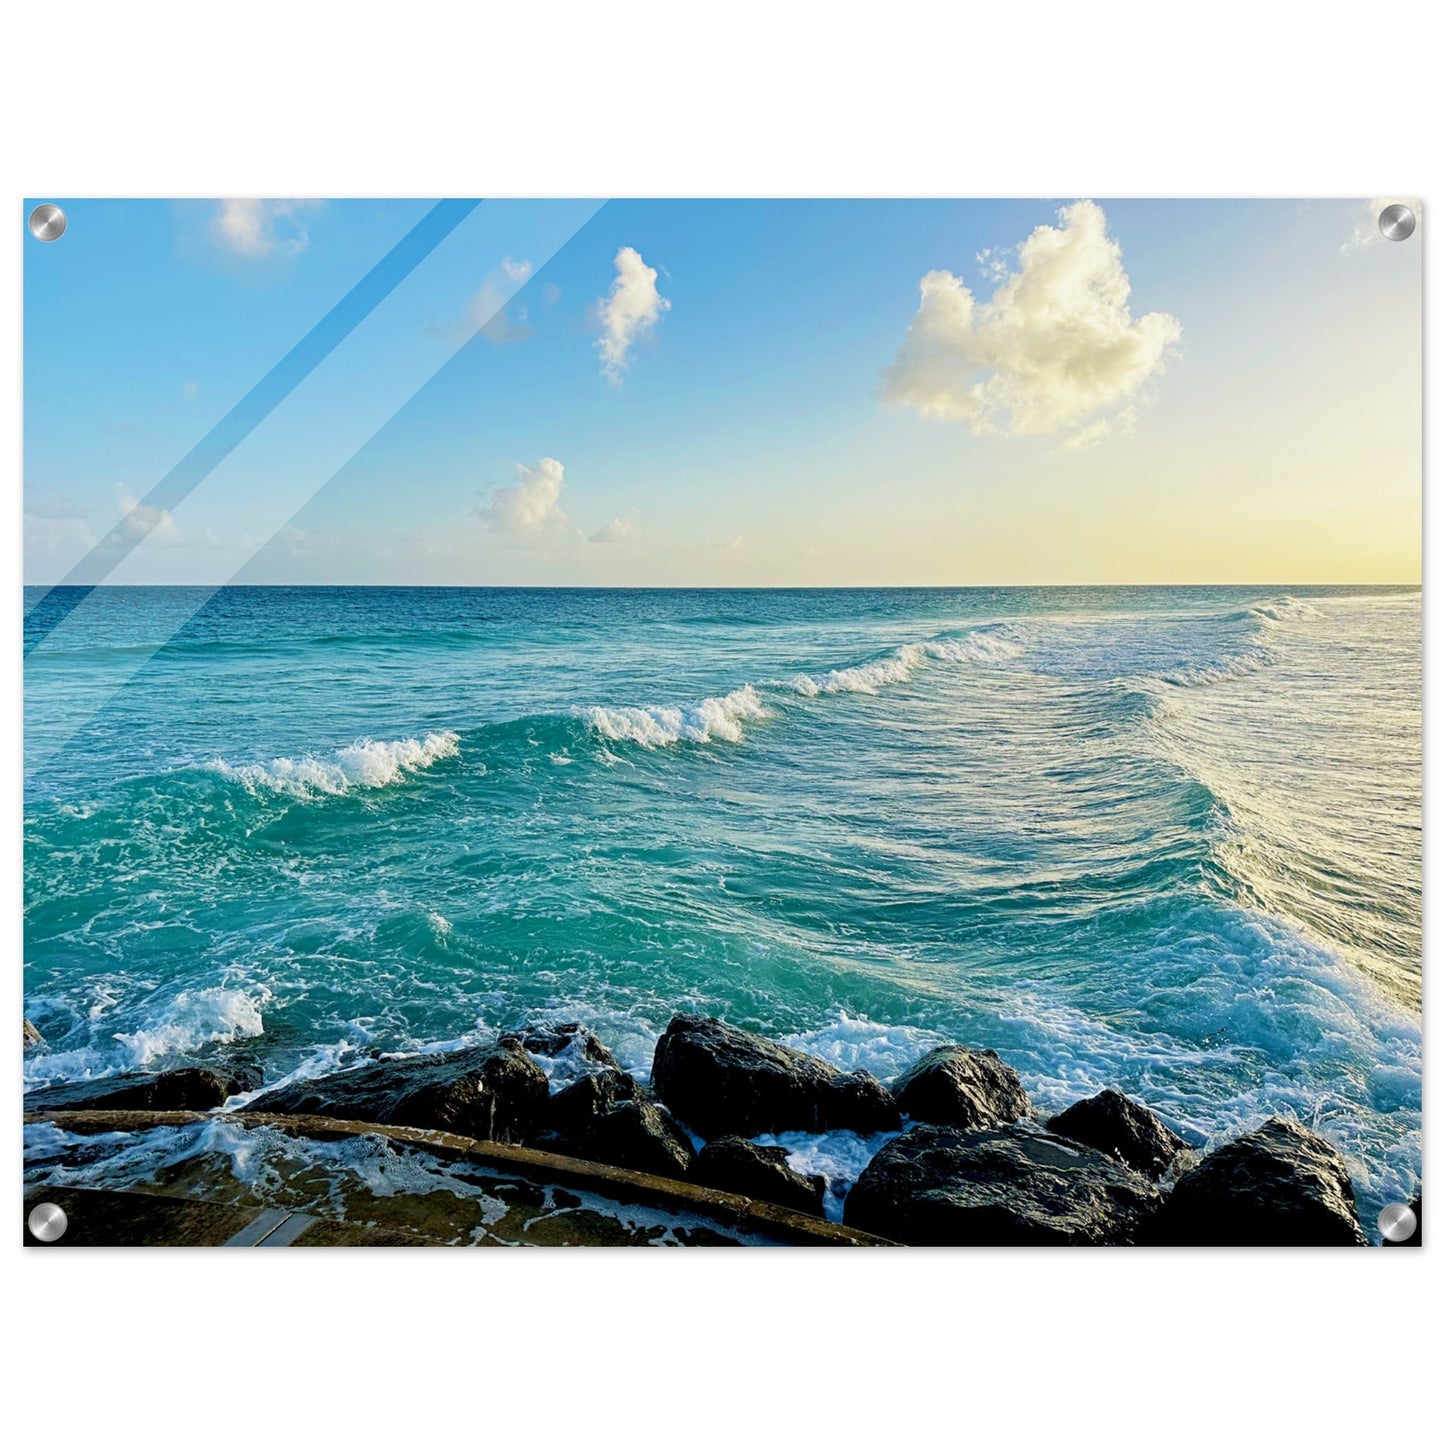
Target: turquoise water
<point>1165,839</point>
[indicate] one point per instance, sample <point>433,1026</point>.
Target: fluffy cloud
<point>530,507</point>
<point>262,228</point>
<point>1367,222</point>
<point>1055,344</point>
<point>629,310</point>
<point>139,522</point>
<point>619,529</point>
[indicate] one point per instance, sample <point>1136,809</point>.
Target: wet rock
<point>1280,1185</point>
<point>759,1171</point>
<point>549,1041</point>
<point>963,1088</point>
<point>722,1080</point>
<point>1011,1185</point>
<point>609,1117</point>
<point>33,1035</point>
<point>1417,1206</point>
<point>191,1089</point>
<point>1114,1124</point>
<point>495,1092</point>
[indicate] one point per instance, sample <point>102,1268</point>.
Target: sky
<point>733,393</point>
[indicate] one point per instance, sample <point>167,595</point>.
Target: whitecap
<point>365,764</point>
<point>712,719</point>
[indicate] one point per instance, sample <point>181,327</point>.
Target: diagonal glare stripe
<point>41,752</point>
<point>254,408</point>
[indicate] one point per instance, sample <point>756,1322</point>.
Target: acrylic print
<point>700,723</point>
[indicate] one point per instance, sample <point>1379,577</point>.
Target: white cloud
<point>530,507</point>
<point>140,522</point>
<point>1053,346</point>
<point>1367,222</point>
<point>255,228</point>
<point>629,310</point>
<point>190,390</point>
<point>619,529</point>
<point>486,311</point>
<point>1097,432</point>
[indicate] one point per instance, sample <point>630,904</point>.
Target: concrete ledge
<point>749,1216</point>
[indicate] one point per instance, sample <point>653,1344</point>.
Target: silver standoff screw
<point>1397,1222</point>
<point>47,1222</point>
<point>47,222</point>
<point>1397,223</point>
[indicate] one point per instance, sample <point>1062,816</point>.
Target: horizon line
<point>680,587</point>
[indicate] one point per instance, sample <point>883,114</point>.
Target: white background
<point>903,99</point>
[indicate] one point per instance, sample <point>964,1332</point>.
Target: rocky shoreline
<point>967,1160</point>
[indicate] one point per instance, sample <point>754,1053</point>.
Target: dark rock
<point>494,1092</point>
<point>609,1117</point>
<point>722,1080</point>
<point>1279,1185</point>
<point>550,1040</point>
<point>1011,1185</point>
<point>1417,1207</point>
<point>759,1171</point>
<point>192,1089</point>
<point>33,1035</point>
<point>963,1088</point>
<point>1114,1124</point>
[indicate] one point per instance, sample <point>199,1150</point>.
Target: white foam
<point>1241,665</point>
<point>193,1019</point>
<point>984,646</point>
<point>840,1157</point>
<point>714,718</point>
<point>365,764</point>
<point>976,647</point>
<point>1285,609</point>
<point>866,677</point>
<point>848,1042</point>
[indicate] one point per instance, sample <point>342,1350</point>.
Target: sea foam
<point>365,764</point>
<point>193,1019</point>
<point>655,727</point>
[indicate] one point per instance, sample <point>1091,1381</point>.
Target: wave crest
<point>866,677</point>
<point>655,727</point>
<point>193,1019</point>
<point>365,764</point>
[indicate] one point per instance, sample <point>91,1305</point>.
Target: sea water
<point>1165,839</point>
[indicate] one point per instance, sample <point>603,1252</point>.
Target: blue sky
<point>1143,391</point>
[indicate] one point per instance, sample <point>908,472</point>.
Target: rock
<point>1417,1206</point>
<point>963,1088</point>
<point>1114,1124</point>
<point>576,1040</point>
<point>1279,1185</point>
<point>721,1080</point>
<point>191,1089</point>
<point>1011,1185</point>
<point>759,1171</point>
<point>611,1118</point>
<point>494,1092</point>
<point>33,1035</point>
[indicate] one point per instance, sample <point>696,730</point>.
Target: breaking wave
<point>867,677</point>
<point>193,1019</point>
<point>365,764</point>
<point>654,727</point>
<point>722,718</point>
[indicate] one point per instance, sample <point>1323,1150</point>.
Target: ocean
<point>1166,839</point>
